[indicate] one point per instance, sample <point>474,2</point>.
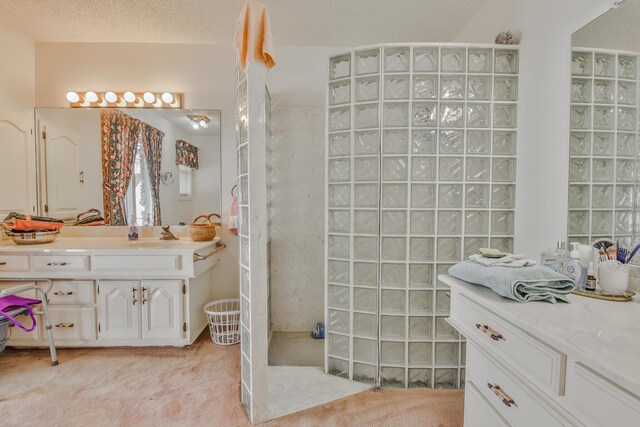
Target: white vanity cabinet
<point>540,364</point>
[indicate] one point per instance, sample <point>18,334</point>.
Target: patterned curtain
<point>186,154</point>
<point>119,135</point>
<point>152,145</point>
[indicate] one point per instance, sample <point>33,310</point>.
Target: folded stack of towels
<point>19,223</point>
<point>514,276</point>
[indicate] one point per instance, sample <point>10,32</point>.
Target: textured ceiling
<point>294,22</point>
<point>616,29</point>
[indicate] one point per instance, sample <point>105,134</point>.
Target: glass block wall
<point>603,150</point>
<point>421,149</point>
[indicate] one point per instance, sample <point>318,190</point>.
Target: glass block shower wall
<point>421,149</point>
<point>603,151</point>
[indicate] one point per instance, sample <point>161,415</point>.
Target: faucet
<point>166,234</point>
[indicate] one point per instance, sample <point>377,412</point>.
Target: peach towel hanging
<point>253,35</point>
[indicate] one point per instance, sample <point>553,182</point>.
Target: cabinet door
<point>119,310</point>
<point>162,302</point>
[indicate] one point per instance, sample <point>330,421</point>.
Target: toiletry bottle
<point>551,259</point>
<point>576,271</point>
<point>134,230</point>
<point>563,255</point>
<point>591,279</point>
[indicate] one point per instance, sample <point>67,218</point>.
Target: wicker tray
<point>625,296</point>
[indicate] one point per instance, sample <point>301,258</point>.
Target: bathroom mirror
<point>173,156</point>
<point>603,170</point>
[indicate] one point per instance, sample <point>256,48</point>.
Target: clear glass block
<point>449,249</point>
<point>339,144</point>
<point>477,196</point>
<point>451,142</point>
<point>506,62</point>
<point>366,142</point>
<point>339,321</point>
<point>624,196</point>
<point>477,169</point>
<point>602,222</point>
<point>604,65</point>
<point>463,353</point>
<point>392,377</point>
<point>425,86</point>
<point>505,88</point>
<point>365,325</point>
<point>504,244</point>
<point>395,141</point>
<point>480,60</point>
<point>452,59</point>
<point>443,301</point>
<point>393,275</point>
<point>245,311</point>
<point>339,296</point>
<point>504,143</point>
<point>340,92</point>
<point>396,87</point>
<point>580,143</point>
<point>396,114</point>
<point>452,115</point>
<point>420,328</point>
<point>339,170</point>
<point>604,91</point>
<point>244,159</point>
<point>421,248</point>
<point>392,327</point>
<point>365,350</point>
<point>450,196</point>
<point>473,244</point>
<point>445,378</point>
<point>579,197</point>
<point>581,90</point>
<point>580,117</point>
<point>423,141</point>
<point>419,378</point>
<point>244,251</point>
<point>366,169</point>
<point>602,197</point>
<point>626,145</point>
<point>365,273</point>
<point>478,142</point>
<point>581,64</point>
<point>420,302</point>
<point>503,196</point>
<point>603,144</point>
<point>627,66</point>
<point>394,222</point>
<point>365,222</point>
<point>449,222</point>
<point>423,196</point>
<point>502,222</point>
<point>365,299</point>
<point>476,222</point>
<point>627,119</point>
<point>579,170</point>
<point>420,275</point>
<point>393,302</point>
<point>338,271</point>
<point>446,353</point>
<point>425,114</point>
<point>339,246</point>
<point>366,116</point>
<point>394,195</point>
<point>367,89</point>
<point>365,248</point>
<point>394,169</point>
<point>243,127</point>
<point>338,345</point>
<point>339,119</point>
<point>626,92</point>
<point>366,195</point>
<point>452,87</point>
<point>442,269</point>
<point>396,59</point>
<point>244,191</point>
<point>603,118</point>
<point>505,116</point>
<point>624,222</point>
<point>244,221</point>
<point>364,373</point>
<point>503,169</point>
<point>425,59</point>
<point>423,168</point>
<point>244,281</point>
<point>367,61</point>
<point>340,66</point>
<point>450,169</point>
<point>339,368</point>
<point>394,248</point>
<point>443,329</point>
<point>245,341</point>
<point>420,353</point>
<point>478,115</point>
<point>624,169</point>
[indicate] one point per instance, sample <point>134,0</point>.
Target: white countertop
<point>93,244</point>
<point>604,335</point>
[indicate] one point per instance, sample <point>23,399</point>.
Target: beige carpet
<point>190,386</point>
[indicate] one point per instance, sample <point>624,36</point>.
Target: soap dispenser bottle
<point>576,271</point>
<point>134,230</point>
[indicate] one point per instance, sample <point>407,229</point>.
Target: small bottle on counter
<point>575,269</point>
<point>591,279</point>
<point>134,230</point>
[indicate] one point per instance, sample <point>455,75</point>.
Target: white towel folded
<point>509,260</point>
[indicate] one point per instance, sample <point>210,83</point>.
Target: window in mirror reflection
<point>185,181</point>
<point>138,202</point>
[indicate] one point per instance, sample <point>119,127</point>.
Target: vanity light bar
<point>91,99</point>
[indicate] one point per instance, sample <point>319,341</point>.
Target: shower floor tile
<point>295,349</point>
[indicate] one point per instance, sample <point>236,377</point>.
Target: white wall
<point>17,73</point>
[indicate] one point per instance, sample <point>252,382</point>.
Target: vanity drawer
<point>138,263</point>
<point>527,354</point>
<point>14,262</point>
<point>603,402</point>
<point>59,263</point>
<point>512,399</point>
<point>73,324</point>
<point>71,292</point>
<point>478,412</point>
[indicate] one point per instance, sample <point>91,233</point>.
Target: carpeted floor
<point>190,386</point>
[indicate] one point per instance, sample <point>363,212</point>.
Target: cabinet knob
<point>485,329</point>
<point>508,401</point>
<point>64,325</point>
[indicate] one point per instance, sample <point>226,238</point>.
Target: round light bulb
<point>91,96</point>
<point>111,97</point>
<point>149,98</point>
<point>73,97</point>
<point>129,97</point>
<point>195,125</point>
<point>167,98</point>
<point>203,123</point>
